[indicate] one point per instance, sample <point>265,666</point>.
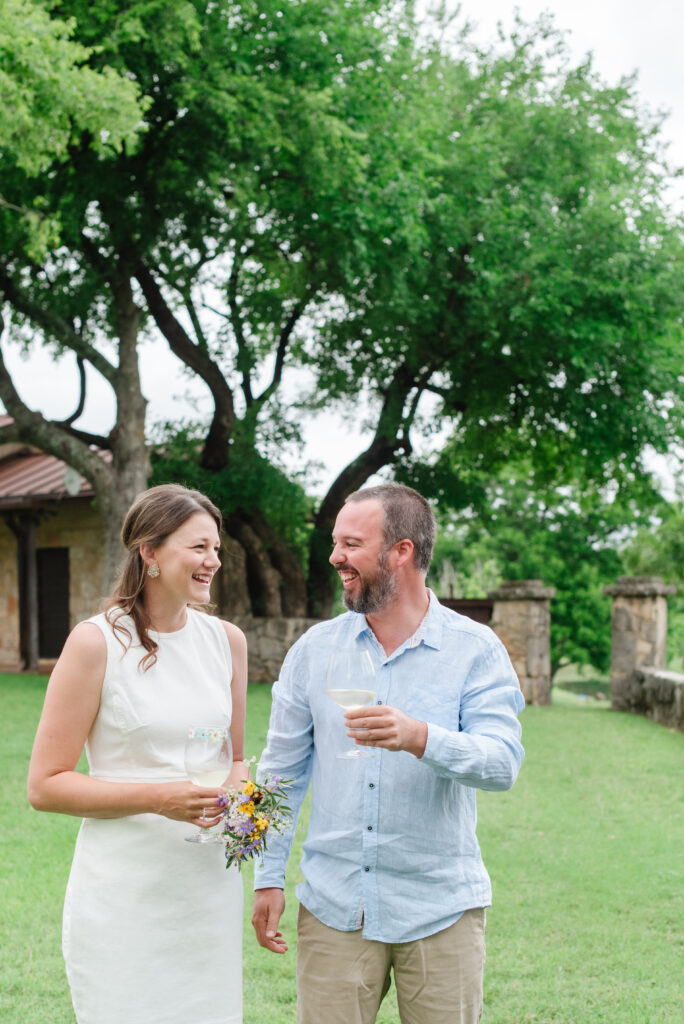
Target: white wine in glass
<point>208,760</point>
<point>350,682</point>
<point>351,698</point>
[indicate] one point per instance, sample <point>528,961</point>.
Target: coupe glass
<point>208,760</point>
<point>350,682</point>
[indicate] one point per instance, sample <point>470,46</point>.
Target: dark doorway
<point>53,600</point>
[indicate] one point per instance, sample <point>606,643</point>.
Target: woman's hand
<point>183,801</point>
<point>239,774</point>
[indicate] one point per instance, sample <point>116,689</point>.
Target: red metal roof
<point>30,478</point>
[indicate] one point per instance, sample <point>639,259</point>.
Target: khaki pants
<point>342,978</point>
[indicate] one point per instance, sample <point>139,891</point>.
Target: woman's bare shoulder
<point>86,641</point>
<point>236,638</point>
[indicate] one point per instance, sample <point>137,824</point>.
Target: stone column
<point>638,635</point>
<point>521,618</point>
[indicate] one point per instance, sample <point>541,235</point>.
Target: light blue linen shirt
<point>391,845</point>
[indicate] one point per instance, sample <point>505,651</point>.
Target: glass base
<point>204,837</point>
<point>355,753</point>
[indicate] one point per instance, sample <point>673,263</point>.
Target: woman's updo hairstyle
<point>154,515</point>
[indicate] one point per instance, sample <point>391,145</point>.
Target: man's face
<point>360,557</point>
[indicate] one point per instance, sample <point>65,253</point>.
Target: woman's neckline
<point>176,632</point>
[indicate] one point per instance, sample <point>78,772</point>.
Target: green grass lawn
<point>585,854</point>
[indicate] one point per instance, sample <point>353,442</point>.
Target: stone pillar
<point>638,634</point>
<point>521,618</point>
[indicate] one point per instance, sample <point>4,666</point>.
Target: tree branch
<point>195,321</point>
<point>32,427</point>
<point>382,451</point>
<point>215,454</point>
<point>56,327</point>
<point>82,394</point>
<point>283,342</point>
<point>243,359</point>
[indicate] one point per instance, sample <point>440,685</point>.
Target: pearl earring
<point>153,570</point>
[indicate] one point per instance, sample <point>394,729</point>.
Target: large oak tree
<point>476,240</point>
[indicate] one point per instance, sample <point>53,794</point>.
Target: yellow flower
<point>261,824</point>
<point>247,808</point>
<point>248,788</point>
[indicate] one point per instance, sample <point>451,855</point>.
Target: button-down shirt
<point>391,845</point>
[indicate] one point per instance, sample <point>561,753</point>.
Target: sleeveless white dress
<point>153,925</point>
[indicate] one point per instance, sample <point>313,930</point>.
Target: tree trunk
<point>321,579</point>
<point>130,457</point>
<point>292,577</point>
<point>263,580</point>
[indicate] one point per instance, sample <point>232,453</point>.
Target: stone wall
<point>638,679</point>
<point>521,618</point>
<point>638,632</point>
<point>268,641</point>
<point>659,695</point>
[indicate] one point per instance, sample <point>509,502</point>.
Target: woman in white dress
<point>152,924</point>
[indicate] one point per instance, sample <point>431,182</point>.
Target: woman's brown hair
<point>154,515</point>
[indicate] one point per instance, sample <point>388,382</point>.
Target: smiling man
<point>394,883</point>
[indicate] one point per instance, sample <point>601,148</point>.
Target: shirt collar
<point>432,623</point>
<point>429,631</point>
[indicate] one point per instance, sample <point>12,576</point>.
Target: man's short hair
<point>407,515</point>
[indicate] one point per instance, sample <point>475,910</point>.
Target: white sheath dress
<point>152,924</point>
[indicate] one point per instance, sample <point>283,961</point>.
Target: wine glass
<point>208,760</point>
<point>350,682</point>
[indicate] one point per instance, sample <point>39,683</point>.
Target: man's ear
<point>404,551</point>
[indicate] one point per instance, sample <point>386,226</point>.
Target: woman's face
<point>187,560</point>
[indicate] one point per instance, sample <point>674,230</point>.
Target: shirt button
<point>371,785</point>
<point>366,869</point>
<point>370,828</point>
<point>379,702</point>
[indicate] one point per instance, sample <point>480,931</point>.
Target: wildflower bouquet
<point>251,814</point>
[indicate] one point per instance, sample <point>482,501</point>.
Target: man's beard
<point>375,592</point>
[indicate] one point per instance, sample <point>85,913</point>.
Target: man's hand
<point>266,913</point>
<point>382,726</point>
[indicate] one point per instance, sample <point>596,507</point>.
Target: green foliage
<point>52,99</point>
<point>50,94</point>
<point>570,537</point>
<point>533,287</point>
<point>249,483</point>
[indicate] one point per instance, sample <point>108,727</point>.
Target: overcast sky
<point>624,36</point>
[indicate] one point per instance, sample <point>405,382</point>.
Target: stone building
<point>50,561</point>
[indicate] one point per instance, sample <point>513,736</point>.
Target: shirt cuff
<point>439,749</point>
<point>268,878</point>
